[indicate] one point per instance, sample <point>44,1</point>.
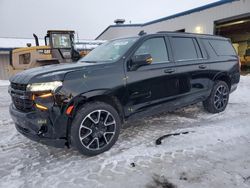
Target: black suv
<point>84,104</point>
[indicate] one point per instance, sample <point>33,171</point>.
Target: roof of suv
<point>187,34</point>
<point>141,34</point>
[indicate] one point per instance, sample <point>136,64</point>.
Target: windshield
<point>61,40</point>
<point>109,51</point>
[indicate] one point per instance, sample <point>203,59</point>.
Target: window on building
<point>156,47</point>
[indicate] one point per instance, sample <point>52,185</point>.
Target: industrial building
<point>229,18</point>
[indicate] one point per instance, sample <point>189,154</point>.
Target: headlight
<point>46,86</point>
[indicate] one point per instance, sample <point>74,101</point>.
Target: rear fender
<point>223,76</point>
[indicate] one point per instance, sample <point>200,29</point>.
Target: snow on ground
<point>215,152</point>
<point>4,82</point>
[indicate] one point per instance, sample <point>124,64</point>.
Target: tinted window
<point>222,47</point>
<point>185,48</point>
<point>156,47</point>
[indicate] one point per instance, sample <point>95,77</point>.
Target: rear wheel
<point>218,99</point>
<point>95,128</point>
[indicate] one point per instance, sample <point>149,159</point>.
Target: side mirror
<point>140,60</point>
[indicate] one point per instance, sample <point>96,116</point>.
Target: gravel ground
<point>215,152</point>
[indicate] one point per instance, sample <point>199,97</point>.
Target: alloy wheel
<point>221,97</point>
<point>97,129</point>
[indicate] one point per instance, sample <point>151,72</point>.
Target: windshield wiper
<point>108,60</point>
<point>88,61</point>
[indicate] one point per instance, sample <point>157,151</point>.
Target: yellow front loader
<point>245,59</point>
<point>58,48</point>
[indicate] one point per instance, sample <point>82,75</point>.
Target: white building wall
<point>203,20</point>
<point>4,66</point>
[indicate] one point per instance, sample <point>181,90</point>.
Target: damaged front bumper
<point>40,127</point>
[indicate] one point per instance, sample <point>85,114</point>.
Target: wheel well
<point>111,100</point>
<point>226,79</point>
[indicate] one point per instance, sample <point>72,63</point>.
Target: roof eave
<point>121,25</point>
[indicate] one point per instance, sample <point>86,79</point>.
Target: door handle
<point>202,66</point>
<point>169,71</point>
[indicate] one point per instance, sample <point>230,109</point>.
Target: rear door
<point>155,83</point>
<point>192,70</point>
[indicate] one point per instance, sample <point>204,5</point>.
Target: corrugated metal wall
<point>203,19</point>
<point>4,62</point>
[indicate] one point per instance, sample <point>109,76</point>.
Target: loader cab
<point>59,48</point>
<point>62,45</point>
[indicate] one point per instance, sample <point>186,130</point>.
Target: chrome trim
<point>181,60</point>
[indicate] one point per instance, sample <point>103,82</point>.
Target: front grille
<point>20,87</point>
<point>20,97</point>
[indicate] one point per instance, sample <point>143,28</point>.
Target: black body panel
<point>150,89</point>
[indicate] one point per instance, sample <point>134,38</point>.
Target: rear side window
<point>156,47</point>
<point>222,47</point>
<point>185,48</point>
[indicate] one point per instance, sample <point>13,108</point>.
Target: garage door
<point>238,30</point>
<point>4,62</point>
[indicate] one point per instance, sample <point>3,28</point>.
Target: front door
<point>155,83</point>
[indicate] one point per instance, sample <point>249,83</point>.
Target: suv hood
<point>49,73</point>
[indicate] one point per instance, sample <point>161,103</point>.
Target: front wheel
<point>95,128</point>
<point>218,99</point>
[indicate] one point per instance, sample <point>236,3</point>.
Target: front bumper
<point>38,127</point>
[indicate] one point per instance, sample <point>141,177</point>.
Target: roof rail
<point>174,32</point>
<point>188,33</point>
<point>165,32</point>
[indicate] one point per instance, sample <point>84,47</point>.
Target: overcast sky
<point>21,18</point>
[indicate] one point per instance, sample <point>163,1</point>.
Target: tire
<point>218,99</point>
<point>95,128</point>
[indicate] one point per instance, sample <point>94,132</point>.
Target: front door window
<point>156,47</point>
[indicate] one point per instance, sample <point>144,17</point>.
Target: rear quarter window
<point>222,47</point>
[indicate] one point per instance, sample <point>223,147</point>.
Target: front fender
<point>94,93</point>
